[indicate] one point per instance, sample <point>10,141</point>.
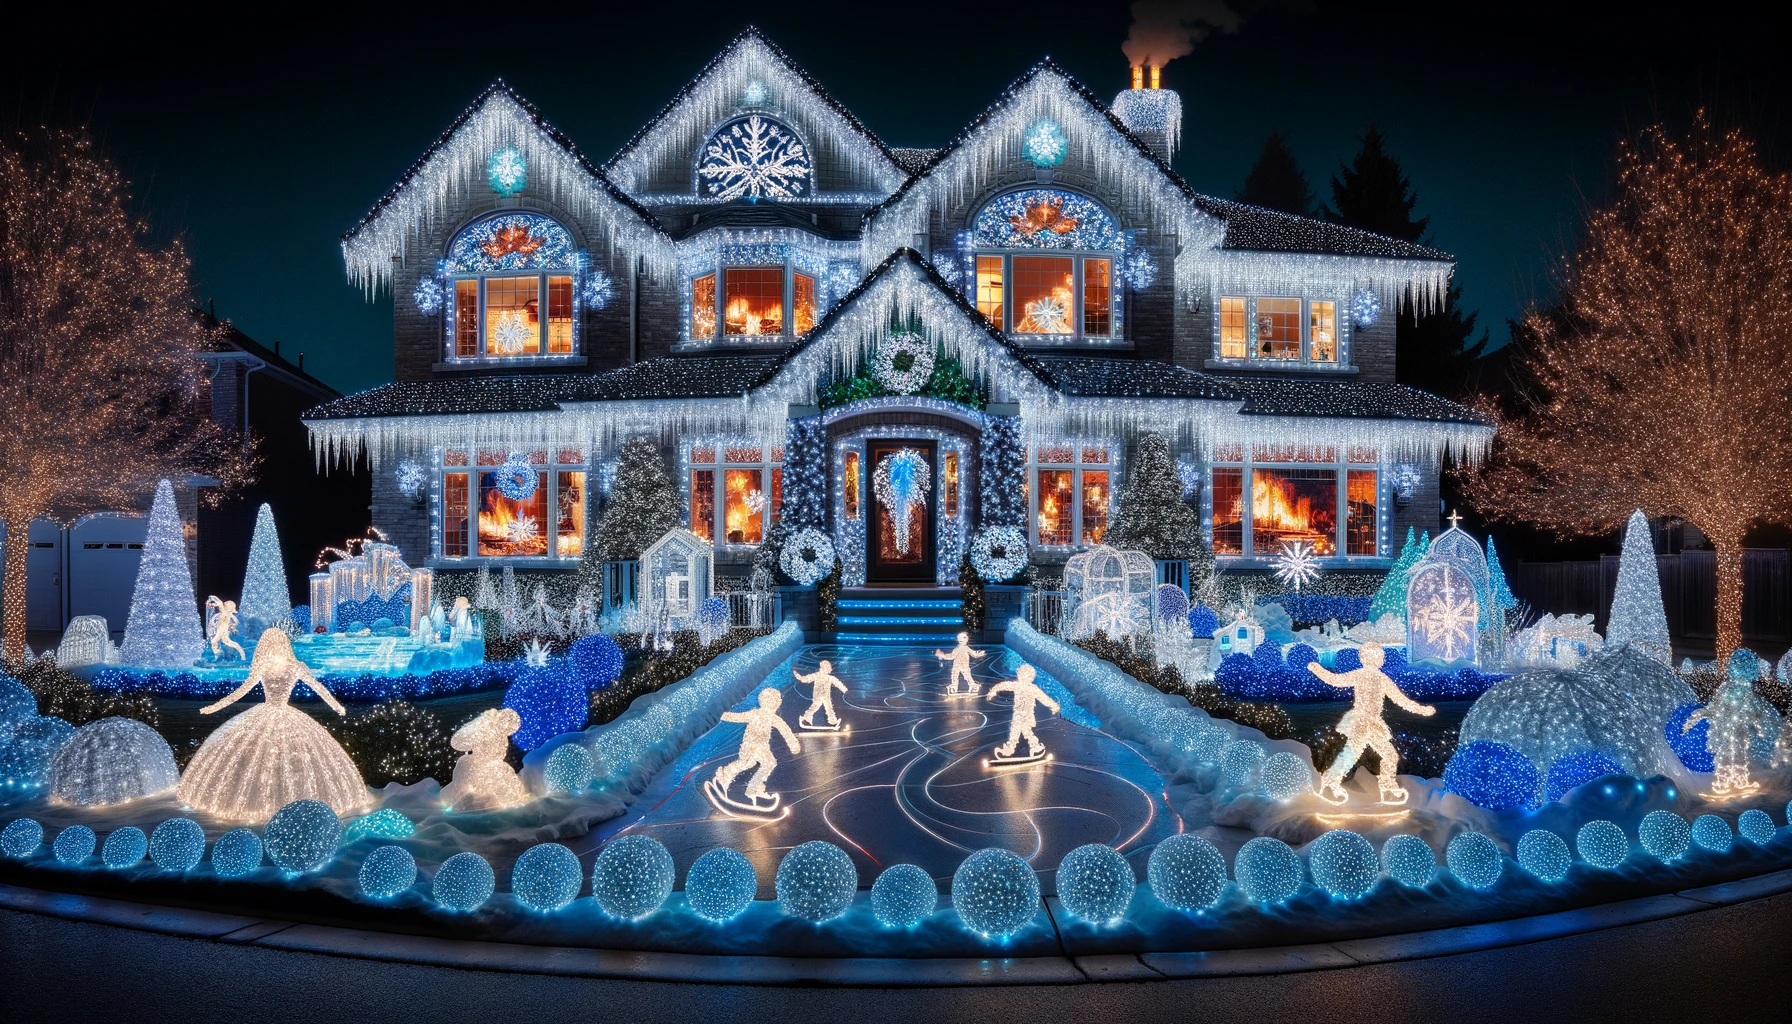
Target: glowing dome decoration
<point>1754,825</point>
<point>463,882</point>
<point>20,838</point>
<point>570,769</point>
<point>1095,883</point>
<point>808,556</point>
<point>901,482</point>
<point>124,847</point>
<point>720,884</point>
<point>1712,833</point>
<point>177,844</point>
<point>1475,859</point>
<point>1492,775</point>
<point>904,896</point>
<point>1343,864</point>
<point>1365,307</point>
<point>1409,860</point>
<point>1186,873</point>
<point>74,844</point>
<point>1267,869</point>
<point>507,172</point>
<point>999,553</point>
<point>995,892</point>
<point>302,836</point>
<point>1044,143</point>
<point>387,871</point>
<point>1240,759</point>
<point>632,877</point>
<point>26,757</point>
<point>236,853</point>
<point>385,823</point>
<point>1664,834</point>
<point>1544,855</point>
<point>546,877</point>
<point>1575,769</point>
<point>816,881</point>
<point>1285,776</point>
<point>1602,844</point>
<point>112,761</point>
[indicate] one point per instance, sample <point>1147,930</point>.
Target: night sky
<point>261,138</point>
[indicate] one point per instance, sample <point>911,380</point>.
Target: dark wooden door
<point>885,561</point>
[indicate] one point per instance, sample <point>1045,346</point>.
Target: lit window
<point>1073,502</point>
<point>1360,524</point>
<point>949,484</point>
<point>751,491</point>
<point>1055,506</point>
<point>514,288</point>
<point>1294,505</point>
<point>560,315</point>
<point>1322,331</point>
<point>1054,253</point>
<point>753,301</point>
<point>850,485</point>
<point>1095,506</point>
<point>569,527</point>
<point>703,307</point>
<point>1278,328</point>
<point>509,527</point>
<point>1043,291</point>
<point>1281,494</point>
<point>803,302</point>
<point>512,316</point>
<point>1233,337</point>
<point>1098,304</point>
<point>744,517</point>
<point>454,513</point>
<point>989,288</point>
<point>1228,510</point>
<point>703,503</point>
<point>466,318</point>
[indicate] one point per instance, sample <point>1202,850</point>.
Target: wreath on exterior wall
<point>808,556</point>
<point>903,363</point>
<point>999,553</point>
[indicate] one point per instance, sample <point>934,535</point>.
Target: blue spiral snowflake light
<point>74,844</point>
<point>429,295</point>
<point>1365,308</point>
<point>1712,833</point>
<point>816,881</point>
<point>1755,826</point>
<point>1602,844</point>
<point>632,877</point>
<point>1285,775</point>
<point>596,290</point>
<point>1492,775</point>
<point>1409,860</point>
<point>1044,143</point>
<point>387,871</point>
<point>507,171</point>
<point>1186,873</point>
<point>1544,855</point>
<point>1665,835</point>
<point>236,853</point>
<point>1343,864</point>
<point>721,884</point>
<point>1095,883</point>
<point>570,769</point>
<point>546,877</point>
<point>1577,768</point>
<point>1267,869</point>
<point>1240,759</point>
<point>904,896</point>
<point>1475,859</point>
<point>177,844</point>
<point>385,823</point>
<point>124,847</point>
<point>463,882</point>
<point>995,892</point>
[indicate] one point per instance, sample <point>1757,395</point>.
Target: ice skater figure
<point>483,780</point>
<point>960,657</point>
<point>1027,696</point>
<point>755,753</point>
<point>822,697</point>
<point>1736,716</point>
<point>222,618</point>
<point>1363,727</point>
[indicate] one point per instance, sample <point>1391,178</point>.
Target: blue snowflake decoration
<point>950,267</point>
<point>429,295</point>
<point>516,479</point>
<point>1365,308</point>
<point>507,171</point>
<point>596,290</point>
<point>1044,143</point>
<point>754,94</point>
<point>1139,268</point>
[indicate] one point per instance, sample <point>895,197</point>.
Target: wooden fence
<point>1688,592</point>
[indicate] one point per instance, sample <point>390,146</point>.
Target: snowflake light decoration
<point>1048,314</point>
<point>947,263</point>
<point>1365,308</point>
<point>901,484</point>
<point>808,556</point>
<point>507,172</point>
<point>1138,268</point>
<point>1447,616</point>
<point>754,157</point>
<point>429,295</point>
<point>596,289</point>
<point>516,479</point>
<point>1190,474</point>
<point>754,94</point>
<point>755,502</point>
<point>903,363</point>
<point>999,552</point>
<point>410,479</point>
<point>1296,565</point>
<point>1044,144</point>
<point>510,333</point>
<point>520,530</point>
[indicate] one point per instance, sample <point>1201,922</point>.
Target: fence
<point>1045,610</point>
<point>755,609</point>
<point>1688,592</point>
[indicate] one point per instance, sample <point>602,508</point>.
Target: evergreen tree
<point>1503,597</point>
<point>266,601</point>
<point>1433,352</point>
<point>1276,181</point>
<point>1638,617</point>
<point>164,630</point>
<point>1153,518</point>
<point>643,505</point>
<point>1391,598</point>
<point>1372,193</point>
<point>485,592</point>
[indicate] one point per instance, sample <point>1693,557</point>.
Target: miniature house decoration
<point>678,568</point>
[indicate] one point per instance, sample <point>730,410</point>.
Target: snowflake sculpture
<point>753,94</point>
<point>510,333</point>
<point>755,502</point>
<point>1044,144</point>
<point>1448,622</point>
<point>1047,315</point>
<point>596,290</point>
<point>901,484</point>
<point>521,530</point>
<point>410,478</point>
<point>507,172</point>
<point>1113,614</point>
<point>1296,565</point>
<point>516,478</point>
<point>755,158</point>
<point>949,266</point>
<point>903,363</point>
<point>808,556</point>
<point>1138,268</point>
<point>429,295</point>
<point>1365,308</point>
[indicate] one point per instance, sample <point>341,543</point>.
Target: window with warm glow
<point>949,484</point>
<point>1098,302</point>
<point>849,485</point>
<point>1228,511</point>
<point>1294,505</point>
<point>743,518</point>
<point>454,514</point>
<point>569,528</point>
<point>466,318</point>
<point>703,503</point>
<point>1362,503</point>
<point>803,303</point>
<point>751,482</point>
<point>479,519</point>
<point>989,288</point>
<point>752,301</point>
<point>1278,328</point>
<point>1045,261</point>
<point>1234,339</point>
<point>560,315</point>
<point>1055,505</point>
<point>1281,494</point>
<point>703,307</point>
<point>1074,500</point>
<point>509,528</point>
<point>513,278</point>
<point>1044,289</point>
<point>1322,332</point>
<point>1095,506</point>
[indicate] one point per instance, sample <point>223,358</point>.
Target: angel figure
<point>1364,728</point>
<point>822,701</point>
<point>960,657</point>
<point>221,620</point>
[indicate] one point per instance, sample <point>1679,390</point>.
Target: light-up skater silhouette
<point>223,622</point>
<point>1363,727</point>
<point>755,753</point>
<point>1027,696</point>
<point>960,657</point>
<point>822,698</point>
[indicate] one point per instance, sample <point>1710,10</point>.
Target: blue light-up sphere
<point>387,871</point>
<point>302,836</point>
<point>1044,144</point>
<point>1575,769</point>
<point>384,823</point>
<point>632,877</point>
<point>1475,859</point>
<point>1343,864</point>
<point>1543,854</point>
<point>236,853</point>
<point>1409,860</point>
<point>995,892</point>
<point>569,770</point>
<point>74,844</point>
<point>1602,844</point>
<point>1240,759</point>
<point>177,844</point>
<point>1186,873</point>
<point>1756,827</point>
<point>1365,308</point>
<point>549,701</point>
<point>20,838</point>
<point>1712,833</point>
<point>1664,834</point>
<point>595,661</point>
<point>721,884</point>
<point>1492,775</point>
<point>816,881</point>
<point>463,882</point>
<point>1285,775</point>
<point>124,847</point>
<point>546,877</point>
<point>904,896</point>
<point>1267,869</point>
<point>507,172</point>
<point>1095,883</point>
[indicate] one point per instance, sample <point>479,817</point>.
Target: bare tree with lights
<point>1665,380</point>
<point>100,384</point>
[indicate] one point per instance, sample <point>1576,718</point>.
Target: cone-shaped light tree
<point>1638,616</point>
<point>164,630</point>
<point>266,601</point>
<point>1391,598</point>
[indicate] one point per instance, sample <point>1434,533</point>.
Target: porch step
<point>923,615</point>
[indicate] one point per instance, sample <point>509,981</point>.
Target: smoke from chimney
<point>1163,30</point>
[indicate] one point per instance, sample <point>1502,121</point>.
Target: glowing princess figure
<point>822,699</point>
<point>1027,695</point>
<point>755,753</point>
<point>1364,728</point>
<point>222,618</point>
<point>483,780</point>
<point>272,754</point>
<point>1736,716</point>
<point>960,657</point>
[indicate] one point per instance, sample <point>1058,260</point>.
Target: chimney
<point>1153,113</point>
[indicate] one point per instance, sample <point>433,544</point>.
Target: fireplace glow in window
<point>484,512</point>
<point>734,492</point>
<point>1286,494</point>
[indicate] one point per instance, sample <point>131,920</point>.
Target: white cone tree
<point>1638,617</point>
<point>164,630</point>
<point>266,601</point>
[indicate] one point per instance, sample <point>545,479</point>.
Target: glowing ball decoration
<point>1543,854</point>
<point>463,882</point>
<point>1343,864</point>
<point>236,853</point>
<point>546,877</point>
<point>1285,776</point>
<point>1602,844</point>
<point>595,661</point>
<point>387,871</point>
<point>1475,859</point>
<point>1095,883</point>
<point>124,847</point>
<point>1712,833</point>
<point>632,877</point>
<point>570,769</point>
<point>904,896</point>
<point>1492,775</point>
<point>1756,827</point>
<point>1211,743</point>
<point>111,761</point>
<point>1664,834</point>
<point>1575,769</point>
<point>816,881</point>
<point>177,844</point>
<point>1408,860</point>
<point>721,884</point>
<point>74,844</point>
<point>1240,759</point>
<point>384,823</point>
<point>1267,869</point>
<point>1186,873</point>
<point>550,702</point>
<point>20,838</point>
<point>302,836</point>
<point>995,892</point>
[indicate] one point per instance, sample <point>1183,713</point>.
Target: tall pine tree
<point>643,505</point>
<point>1276,181</point>
<point>1154,519</point>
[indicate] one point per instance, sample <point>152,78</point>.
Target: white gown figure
<point>1363,727</point>
<point>1736,716</point>
<point>1027,695</point>
<point>755,751</point>
<point>222,620</point>
<point>483,780</point>
<point>960,657</point>
<point>273,753</point>
<point>822,699</point>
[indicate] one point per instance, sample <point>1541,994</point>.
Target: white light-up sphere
<point>1267,869</point>
<point>816,881</point>
<point>1210,743</point>
<point>74,844</point>
<point>1095,883</point>
<point>721,884</point>
<point>1664,834</point>
<point>632,877</point>
<point>124,847</point>
<point>1240,758</point>
<point>1712,833</point>
<point>302,836</point>
<point>463,882</point>
<point>1756,827</point>
<point>236,853</point>
<point>569,770</point>
<point>1186,873</point>
<point>384,823</point>
<point>387,871</point>
<point>1285,775</point>
<point>1409,860</point>
<point>1543,854</point>
<point>995,892</point>
<point>546,877</point>
<point>1602,844</point>
<point>1343,864</point>
<point>177,844</point>
<point>1475,859</point>
<point>904,896</point>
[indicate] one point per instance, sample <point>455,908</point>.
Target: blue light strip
<point>896,620</point>
<point>913,639</point>
<point>927,605</point>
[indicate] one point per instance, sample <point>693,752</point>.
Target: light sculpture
<point>1602,844</point>
<point>1344,864</point>
<point>302,836</point>
<point>1638,617</point>
<point>995,892</point>
<point>177,844</point>
<point>463,882</point>
<point>903,362</point>
<point>632,877</point>
<point>26,757</point>
<point>516,479</point>
<point>1475,859</point>
<point>1365,307</point>
<point>429,296</point>
<point>266,601</point>
<point>1543,854</point>
<point>74,844</point>
<point>999,552</point>
<point>163,630</point>
<point>385,823</point>
<point>483,780</point>
<point>960,658</point>
<point>1737,715</point>
<point>387,871</point>
<point>901,482</point>
<point>1021,723</point>
<point>410,478</point>
<point>124,847</point>
<point>112,761</point>
<point>823,683</point>
<point>546,877</point>
<point>755,754</point>
<point>221,621</point>
<point>20,838</point>
<point>903,896</point>
<point>1712,833</point>
<point>721,884</point>
<point>1295,564</point>
<point>236,853</point>
<point>754,157</point>
<point>1755,826</point>
<point>816,881</point>
<point>1664,834</point>
<point>1186,872</point>
<point>1408,860</point>
<point>570,769</point>
<point>1095,883</point>
<point>1267,869</point>
<point>1363,726</point>
<point>1240,759</point>
<point>1285,775</point>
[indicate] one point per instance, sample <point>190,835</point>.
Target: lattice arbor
<point>1109,590</point>
<point>679,567</point>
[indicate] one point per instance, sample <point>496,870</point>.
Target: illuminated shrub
<point>1267,870</point>
<point>236,853</point>
<point>546,877</point>
<point>177,844</point>
<point>1095,883</point>
<point>632,876</point>
<point>1343,864</point>
<point>1543,854</point>
<point>1475,859</point>
<point>1664,834</point>
<point>904,896</point>
<point>1186,872</point>
<point>1408,860</point>
<point>594,661</point>
<point>721,884</point>
<point>995,892</point>
<point>816,881</point>
<point>302,836</point>
<point>1492,775</point>
<point>1602,844</point>
<point>463,882</point>
<point>387,871</point>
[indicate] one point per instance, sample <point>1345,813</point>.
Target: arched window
<point>1045,266</point>
<point>754,157</point>
<point>513,284</point>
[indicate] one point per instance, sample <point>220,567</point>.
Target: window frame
<point>468,531</point>
<point>770,467</point>
<point>1342,332</point>
<point>1077,337</point>
<point>1342,464</point>
<point>482,354</point>
<point>1078,464</point>
<point>719,333</point>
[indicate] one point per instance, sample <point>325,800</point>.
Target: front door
<point>888,557</point>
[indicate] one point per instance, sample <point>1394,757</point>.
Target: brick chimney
<point>1151,112</point>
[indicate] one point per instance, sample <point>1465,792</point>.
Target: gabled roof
<point>1257,229</point>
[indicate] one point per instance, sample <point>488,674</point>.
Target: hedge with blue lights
<point>1267,675</point>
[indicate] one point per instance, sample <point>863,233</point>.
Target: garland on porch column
<point>1003,456</point>
<point>805,493</point>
